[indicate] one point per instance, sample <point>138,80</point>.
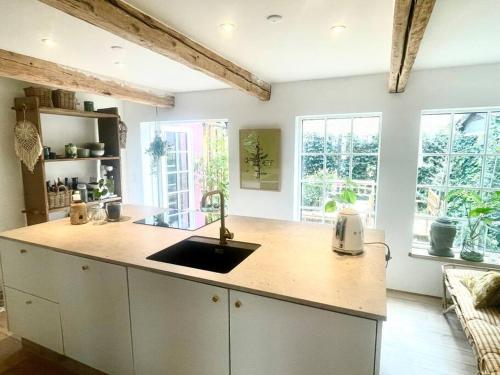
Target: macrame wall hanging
<point>27,143</point>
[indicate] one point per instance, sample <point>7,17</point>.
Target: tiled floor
<point>417,340</point>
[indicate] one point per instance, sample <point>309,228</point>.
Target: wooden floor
<point>417,340</point>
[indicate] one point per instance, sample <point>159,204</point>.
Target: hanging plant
<point>157,149</point>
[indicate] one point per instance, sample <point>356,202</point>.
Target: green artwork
<point>260,153</point>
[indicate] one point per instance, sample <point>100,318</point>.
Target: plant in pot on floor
<point>481,215</point>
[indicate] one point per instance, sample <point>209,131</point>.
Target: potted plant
<point>347,197</point>
<point>481,214</point>
<point>99,193</point>
<point>157,149</point>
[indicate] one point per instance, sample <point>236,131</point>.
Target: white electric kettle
<point>348,235</point>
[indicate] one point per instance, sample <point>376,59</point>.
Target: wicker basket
<point>64,99</point>
<point>43,94</point>
<point>59,199</point>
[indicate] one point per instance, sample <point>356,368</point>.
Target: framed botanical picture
<point>260,159</point>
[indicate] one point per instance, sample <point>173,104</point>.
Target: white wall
<point>57,130</point>
<point>432,89</point>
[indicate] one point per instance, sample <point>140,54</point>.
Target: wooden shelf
<point>93,203</point>
<point>75,113</point>
<point>81,159</point>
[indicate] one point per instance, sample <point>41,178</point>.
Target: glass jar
<point>472,251</point>
<point>98,215</point>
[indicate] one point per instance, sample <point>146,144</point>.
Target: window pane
<point>435,130</point>
<point>183,161</point>
<point>170,138</point>
<point>312,195</point>
<point>184,201</point>
<point>429,201</point>
<point>338,135</point>
<point>171,162</point>
<point>337,167</point>
<point>421,228</point>
<point>465,170</point>
<point>469,132</point>
<point>312,167</point>
<point>313,136</point>
<point>365,137</point>
<point>184,185</point>
<point>172,202</point>
<point>432,170</point>
<point>364,167</point>
<point>182,139</point>
<point>492,172</point>
<point>312,216</point>
<point>456,209</point>
<point>493,240</point>
<point>494,134</point>
<point>172,182</point>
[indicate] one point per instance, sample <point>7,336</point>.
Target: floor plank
<point>418,340</point>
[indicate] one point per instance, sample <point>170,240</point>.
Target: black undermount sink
<point>206,253</point>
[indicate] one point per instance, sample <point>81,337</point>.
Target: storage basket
<point>43,94</point>
<point>64,99</point>
<point>59,199</point>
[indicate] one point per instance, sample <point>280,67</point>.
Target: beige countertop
<point>294,263</point>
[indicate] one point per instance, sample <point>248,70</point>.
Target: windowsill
<point>489,261</point>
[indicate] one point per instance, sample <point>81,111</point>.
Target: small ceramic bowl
<point>97,152</point>
<point>83,152</point>
<point>95,146</point>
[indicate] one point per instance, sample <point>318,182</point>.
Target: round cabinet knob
<point>85,268</point>
<point>29,302</point>
<point>23,251</point>
<point>237,304</point>
<point>215,298</point>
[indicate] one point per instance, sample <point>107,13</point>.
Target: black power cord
<point>388,256</point>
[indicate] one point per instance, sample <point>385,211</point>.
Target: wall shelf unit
<point>35,191</point>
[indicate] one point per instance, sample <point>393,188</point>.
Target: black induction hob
<point>187,220</point>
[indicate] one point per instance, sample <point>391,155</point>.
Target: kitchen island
<point>292,307</point>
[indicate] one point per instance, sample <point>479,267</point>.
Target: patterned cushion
<point>485,289</point>
<point>481,325</point>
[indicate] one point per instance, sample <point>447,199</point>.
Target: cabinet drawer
<point>34,318</point>
<point>29,268</point>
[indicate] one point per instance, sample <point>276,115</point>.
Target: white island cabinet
<point>274,337</point>
<point>95,314</point>
<point>179,327</point>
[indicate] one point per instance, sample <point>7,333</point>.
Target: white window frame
<point>297,194</point>
<point>449,154</point>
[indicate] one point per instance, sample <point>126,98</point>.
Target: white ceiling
<point>23,23</point>
<point>460,32</point>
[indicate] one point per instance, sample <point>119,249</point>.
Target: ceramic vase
<point>442,235</point>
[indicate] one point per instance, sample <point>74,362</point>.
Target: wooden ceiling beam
<point>410,21</point>
<point>33,70</point>
<point>127,22</point>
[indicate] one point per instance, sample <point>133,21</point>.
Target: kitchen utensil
<point>96,152</point>
<point>83,152</point>
<point>70,150</point>
<point>82,188</point>
<point>78,213</point>
<point>348,234</point>
<point>46,152</point>
<point>95,146</point>
<point>114,211</point>
<point>88,106</point>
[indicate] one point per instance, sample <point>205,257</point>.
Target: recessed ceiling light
<point>274,18</point>
<point>338,28</point>
<point>227,27</point>
<point>116,48</point>
<point>119,64</point>
<point>48,42</point>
